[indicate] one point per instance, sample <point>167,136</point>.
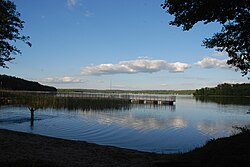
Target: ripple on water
<point>160,130</point>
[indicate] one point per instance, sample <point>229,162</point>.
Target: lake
<point>187,124</point>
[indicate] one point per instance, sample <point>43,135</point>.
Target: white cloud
<point>134,66</point>
<point>164,84</point>
<point>232,82</point>
<point>219,54</point>
<point>118,86</point>
<point>71,3</point>
<point>209,62</point>
<point>65,79</point>
<point>142,57</point>
<point>177,67</point>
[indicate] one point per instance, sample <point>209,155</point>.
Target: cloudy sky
<point>122,44</point>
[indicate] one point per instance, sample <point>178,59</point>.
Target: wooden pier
<point>133,98</point>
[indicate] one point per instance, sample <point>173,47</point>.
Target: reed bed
<point>70,103</point>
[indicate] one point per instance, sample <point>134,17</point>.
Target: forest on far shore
<point>14,83</point>
<point>225,89</point>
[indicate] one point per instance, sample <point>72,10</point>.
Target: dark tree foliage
<point>10,27</point>
<point>225,90</point>
<point>233,15</point>
<point>13,83</point>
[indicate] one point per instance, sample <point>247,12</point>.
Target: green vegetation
<point>52,101</point>
<point>225,90</point>
<point>10,27</point>
<point>228,151</point>
<point>14,83</point>
<point>232,15</point>
<point>183,92</point>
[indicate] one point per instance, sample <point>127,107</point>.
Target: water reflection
<point>102,109</point>
<point>146,127</point>
<point>14,120</point>
<point>224,100</point>
<point>19,118</point>
<point>138,117</point>
<point>154,106</point>
<point>143,123</point>
<point>32,110</point>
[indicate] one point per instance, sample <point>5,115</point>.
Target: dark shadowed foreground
<point>22,149</point>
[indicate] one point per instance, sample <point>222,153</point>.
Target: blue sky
<point>129,43</point>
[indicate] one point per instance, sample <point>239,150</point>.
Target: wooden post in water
<point>32,110</point>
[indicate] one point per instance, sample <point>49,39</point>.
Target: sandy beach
<point>19,149</point>
<point>24,149</point>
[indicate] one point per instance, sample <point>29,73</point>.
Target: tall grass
<point>70,103</point>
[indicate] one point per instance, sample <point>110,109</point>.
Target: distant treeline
<point>225,90</point>
<point>185,92</point>
<point>14,83</point>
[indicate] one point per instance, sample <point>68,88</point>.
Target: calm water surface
<point>163,129</point>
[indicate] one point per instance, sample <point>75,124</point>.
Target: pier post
<point>32,110</point>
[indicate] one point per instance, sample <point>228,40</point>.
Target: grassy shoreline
<point>19,149</point>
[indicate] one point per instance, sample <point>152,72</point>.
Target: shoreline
<point>36,150</point>
<point>19,149</point>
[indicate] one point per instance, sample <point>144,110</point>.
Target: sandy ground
<point>22,149</point>
<point>29,150</point>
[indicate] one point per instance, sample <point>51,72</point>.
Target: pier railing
<point>136,98</point>
<point>140,98</point>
